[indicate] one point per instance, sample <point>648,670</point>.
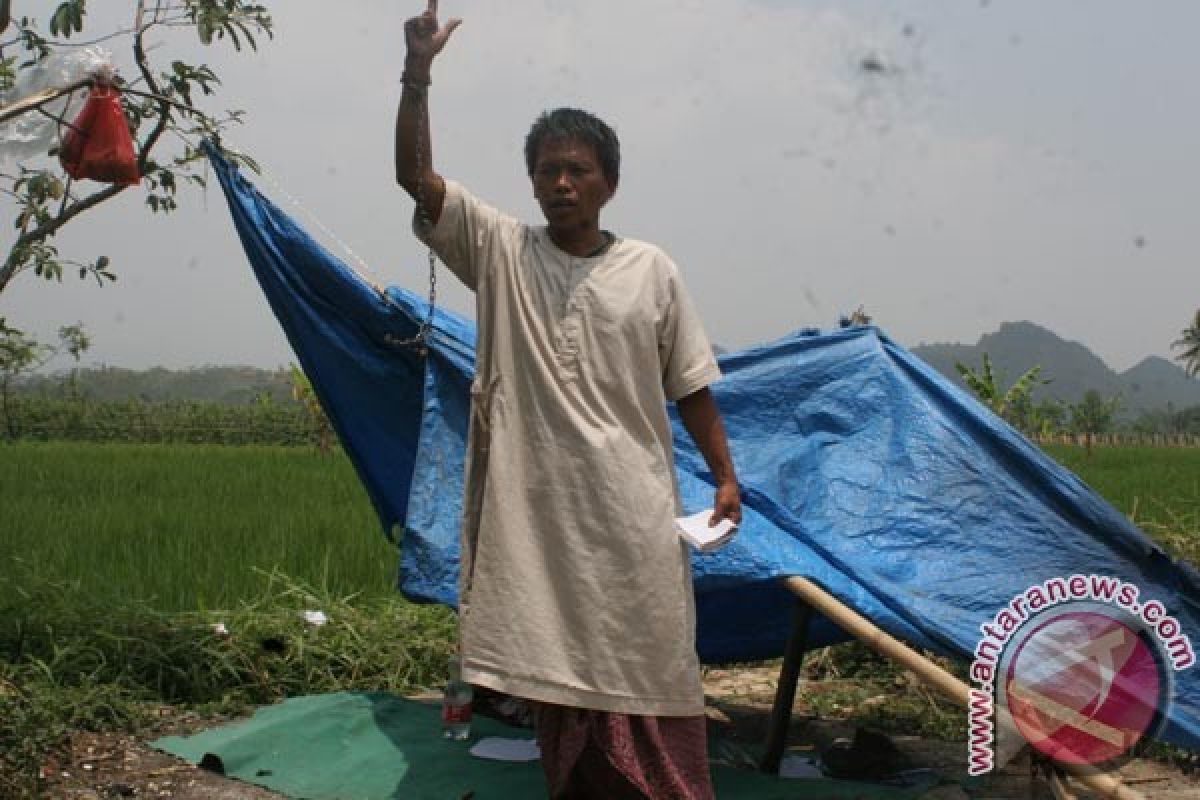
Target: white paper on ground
<point>695,531</point>
<point>500,749</point>
<point>802,767</point>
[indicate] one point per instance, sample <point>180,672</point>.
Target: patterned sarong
<point>600,754</point>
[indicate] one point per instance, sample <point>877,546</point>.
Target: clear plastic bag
<point>33,134</point>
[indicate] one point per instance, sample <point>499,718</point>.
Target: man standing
<point>575,591</point>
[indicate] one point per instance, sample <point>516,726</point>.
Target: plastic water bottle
<point>456,704</point>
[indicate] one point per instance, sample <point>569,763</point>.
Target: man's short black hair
<point>573,123</point>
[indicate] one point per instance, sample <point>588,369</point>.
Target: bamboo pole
<point>888,646</point>
<point>1058,786</point>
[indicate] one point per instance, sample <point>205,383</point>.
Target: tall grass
<point>68,663</point>
<point>185,527</point>
<point>264,648</point>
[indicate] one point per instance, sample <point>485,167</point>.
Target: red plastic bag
<point>98,145</point>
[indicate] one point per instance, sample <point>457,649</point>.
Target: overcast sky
<point>947,165</point>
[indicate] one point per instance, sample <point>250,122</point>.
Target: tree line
<point>1094,415</point>
<point>63,406</point>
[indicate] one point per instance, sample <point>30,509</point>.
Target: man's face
<point>569,183</point>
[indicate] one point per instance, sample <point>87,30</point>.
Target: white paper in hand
<point>695,531</point>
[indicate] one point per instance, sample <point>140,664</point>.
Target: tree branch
<point>168,21</point>
<point>169,104</point>
<point>39,99</point>
<point>164,106</point>
<point>47,230</point>
<point>50,228</point>
<point>161,99</point>
<point>90,42</point>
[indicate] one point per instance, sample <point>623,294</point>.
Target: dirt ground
<point>100,767</point>
<point>744,697</point>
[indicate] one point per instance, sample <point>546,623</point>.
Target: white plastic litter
<point>315,618</point>
<point>219,629</point>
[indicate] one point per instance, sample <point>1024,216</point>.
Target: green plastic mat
<point>374,746</point>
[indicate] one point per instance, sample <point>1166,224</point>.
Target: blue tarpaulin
<point>862,469</point>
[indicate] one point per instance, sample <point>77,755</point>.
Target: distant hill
<point>229,385</point>
<point>1151,385</point>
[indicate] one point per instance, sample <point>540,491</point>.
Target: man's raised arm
<point>424,39</point>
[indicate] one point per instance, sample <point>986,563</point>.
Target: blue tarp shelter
<point>863,469</point>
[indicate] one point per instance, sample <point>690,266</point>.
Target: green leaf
<point>233,37</point>
<point>57,21</point>
<point>249,36</point>
<point>67,18</point>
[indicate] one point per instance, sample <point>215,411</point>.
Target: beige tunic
<point>574,588</point>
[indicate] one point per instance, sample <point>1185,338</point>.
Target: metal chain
<point>419,341</point>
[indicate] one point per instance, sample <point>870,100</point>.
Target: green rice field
<point>186,527</point>
<point>1157,487</point>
